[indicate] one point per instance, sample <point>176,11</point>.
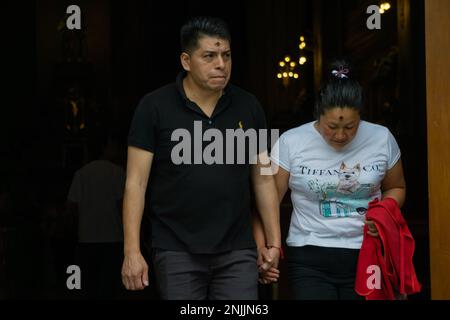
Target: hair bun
<point>340,68</point>
<point>341,72</point>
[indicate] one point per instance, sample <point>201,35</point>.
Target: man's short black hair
<point>198,27</point>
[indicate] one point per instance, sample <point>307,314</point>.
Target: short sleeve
<point>393,151</point>
<point>144,126</point>
<point>75,189</point>
<point>280,153</point>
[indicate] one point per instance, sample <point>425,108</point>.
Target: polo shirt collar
<point>223,102</point>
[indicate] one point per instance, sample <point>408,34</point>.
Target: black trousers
<point>231,275</point>
<point>320,273</point>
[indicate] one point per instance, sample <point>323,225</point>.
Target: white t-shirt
<point>330,190</point>
<point>96,188</point>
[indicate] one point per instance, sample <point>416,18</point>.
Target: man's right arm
<point>134,268</point>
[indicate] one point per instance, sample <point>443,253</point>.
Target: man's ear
<point>185,61</point>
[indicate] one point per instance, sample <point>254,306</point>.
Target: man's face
<point>210,64</point>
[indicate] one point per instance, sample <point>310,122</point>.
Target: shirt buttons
<point>210,122</point>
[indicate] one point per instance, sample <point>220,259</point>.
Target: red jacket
<point>385,266</point>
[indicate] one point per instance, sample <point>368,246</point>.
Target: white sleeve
<point>393,151</point>
<point>280,154</point>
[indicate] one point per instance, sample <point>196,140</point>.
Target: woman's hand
<point>269,276</point>
<point>267,269</point>
<point>373,231</point>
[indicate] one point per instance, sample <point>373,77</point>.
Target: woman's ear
<point>185,61</point>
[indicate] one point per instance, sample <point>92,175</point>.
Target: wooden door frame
<point>437,46</point>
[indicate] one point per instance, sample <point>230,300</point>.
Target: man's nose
<point>220,64</point>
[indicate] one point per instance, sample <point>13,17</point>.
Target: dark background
<point>127,49</point>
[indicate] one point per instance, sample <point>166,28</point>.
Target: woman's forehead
<point>340,114</point>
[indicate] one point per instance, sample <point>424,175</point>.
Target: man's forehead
<point>213,44</point>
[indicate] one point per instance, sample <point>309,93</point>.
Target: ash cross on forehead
<point>341,118</point>
<point>217,43</point>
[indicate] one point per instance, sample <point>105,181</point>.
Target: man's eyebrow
<point>216,51</point>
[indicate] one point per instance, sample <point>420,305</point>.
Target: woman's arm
<point>281,181</point>
<point>393,185</point>
<point>268,274</point>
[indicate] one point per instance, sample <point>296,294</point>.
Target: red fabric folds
<point>385,269</point>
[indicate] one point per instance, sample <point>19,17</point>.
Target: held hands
<point>134,272</point>
<point>268,259</point>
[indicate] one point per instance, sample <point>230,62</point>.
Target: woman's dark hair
<point>198,27</point>
<point>341,89</point>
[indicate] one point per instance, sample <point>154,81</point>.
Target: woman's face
<point>338,126</point>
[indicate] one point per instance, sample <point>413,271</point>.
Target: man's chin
<point>218,87</point>
<point>220,81</point>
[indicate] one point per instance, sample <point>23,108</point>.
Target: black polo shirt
<point>199,208</point>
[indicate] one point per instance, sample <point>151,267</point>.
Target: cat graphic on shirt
<point>348,179</point>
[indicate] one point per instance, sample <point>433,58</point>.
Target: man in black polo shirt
<point>199,200</point>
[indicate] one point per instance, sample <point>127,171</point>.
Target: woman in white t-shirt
<point>334,167</point>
